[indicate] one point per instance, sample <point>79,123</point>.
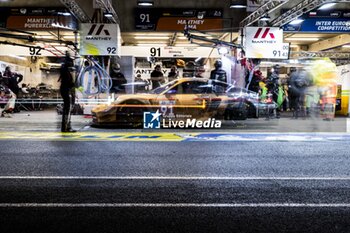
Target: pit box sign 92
<point>99,39</point>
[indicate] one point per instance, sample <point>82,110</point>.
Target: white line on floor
<point>345,178</point>
<point>174,205</point>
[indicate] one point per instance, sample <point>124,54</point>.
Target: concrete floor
<point>50,121</point>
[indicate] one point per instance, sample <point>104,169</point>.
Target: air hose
<point>93,78</point>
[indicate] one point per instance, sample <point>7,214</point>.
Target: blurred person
<point>274,88</point>
<point>324,73</point>
<point>218,73</point>
<point>157,77</point>
<point>13,82</point>
<point>7,101</point>
<point>298,83</point>
<point>286,103</point>
<point>199,70</point>
<point>173,74</point>
<point>67,91</point>
<point>253,76</point>
<point>6,75</point>
<point>118,79</point>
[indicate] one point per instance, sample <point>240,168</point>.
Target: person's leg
<point>65,111</point>
<point>71,106</point>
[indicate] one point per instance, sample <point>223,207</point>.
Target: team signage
<point>169,51</point>
<point>321,25</point>
<point>32,51</point>
<point>36,18</point>
<point>263,42</point>
<point>99,39</point>
<point>155,19</point>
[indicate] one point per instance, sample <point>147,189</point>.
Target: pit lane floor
<point>111,180</point>
<point>49,121</point>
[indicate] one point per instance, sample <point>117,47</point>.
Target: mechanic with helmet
<point>218,73</point>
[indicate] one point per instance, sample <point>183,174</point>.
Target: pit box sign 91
<point>265,42</point>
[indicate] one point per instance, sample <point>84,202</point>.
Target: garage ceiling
<point>125,11</point>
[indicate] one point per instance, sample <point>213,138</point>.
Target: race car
<point>180,99</point>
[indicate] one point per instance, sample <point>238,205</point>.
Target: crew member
<point>273,86</point>
<point>118,79</point>
<point>157,76</point>
<point>218,73</point>
<point>67,92</point>
<point>173,74</point>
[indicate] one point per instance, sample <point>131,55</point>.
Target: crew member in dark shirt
<point>157,76</point>
<point>218,73</point>
<point>67,92</point>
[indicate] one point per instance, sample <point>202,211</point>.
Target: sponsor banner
<point>145,73</point>
<point>99,39</point>
<point>329,14</point>
<point>39,22</point>
<point>33,11</point>
<point>264,42</point>
<point>31,18</point>
<point>321,25</point>
<point>179,24</point>
<point>159,19</point>
<point>169,51</point>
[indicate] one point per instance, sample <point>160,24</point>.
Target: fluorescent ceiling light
<point>185,38</point>
<point>327,6</point>
<point>237,6</point>
<point>57,25</point>
<point>45,37</point>
<point>145,3</point>
<point>302,39</point>
<point>265,18</point>
<point>198,59</point>
<point>18,57</point>
<point>152,37</point>
<point>296,21</point>
<point>346,46</point>
<point>69,37</point>
<point>146,45</point>
<point>64,13</point>
<point>186,45</point>
<point>108,15</point>
<point>145,34</point>
<point>56,44</point>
